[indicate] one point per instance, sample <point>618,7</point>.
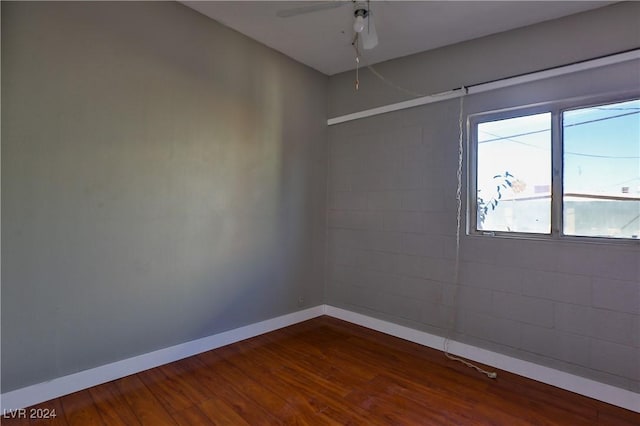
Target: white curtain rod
<point>484,87</point>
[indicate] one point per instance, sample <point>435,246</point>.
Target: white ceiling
<point>322,39</point>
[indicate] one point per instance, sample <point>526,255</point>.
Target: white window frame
<point>556,108</point>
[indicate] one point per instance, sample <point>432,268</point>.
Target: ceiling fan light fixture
<point>369,35</point>
<point>363,27</point>
<point>358,23</point>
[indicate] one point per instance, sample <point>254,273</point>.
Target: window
<point>557,170</point>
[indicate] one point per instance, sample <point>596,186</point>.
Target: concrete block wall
<point>392,254</point>
<point>569,305</point>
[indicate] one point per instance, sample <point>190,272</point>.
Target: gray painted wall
<point>163,179</point>
<point>392,211</point>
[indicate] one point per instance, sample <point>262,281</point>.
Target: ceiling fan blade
<point>313,7</point>
<point>369,34</point>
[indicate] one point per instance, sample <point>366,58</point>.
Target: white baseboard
<point>41,392</point>
<point>35,394</point>
<point>580,385</point>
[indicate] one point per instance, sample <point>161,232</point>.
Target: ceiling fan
<point>363,25</point>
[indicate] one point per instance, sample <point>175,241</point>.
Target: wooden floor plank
<point>112,405</point>
<point>321,362</point>
<point>192,416</point>
<point>325,372</point>
<point>245,407</point>
<point>241,382</point>
<point>310,370</point>
<point>222,414</point>
<point>464,385</point>
<point>171,394</point>
<point>180,380</point>
<point>624,419</point>
<point>147,408</point>
<point>80,410</point>
<point>268,374</point>
<point>422,395</point>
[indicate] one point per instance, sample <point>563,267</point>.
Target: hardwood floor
<point>324,372</point>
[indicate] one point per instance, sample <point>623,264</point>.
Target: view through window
<point>602,171</point>
<point>597,161</point>
<point>514,174</point>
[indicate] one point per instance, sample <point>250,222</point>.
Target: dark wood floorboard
<point>325,372</point>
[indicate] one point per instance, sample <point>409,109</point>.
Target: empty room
<point>320,213</point>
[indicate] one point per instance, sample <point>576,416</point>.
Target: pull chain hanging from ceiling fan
<point>357,73</point>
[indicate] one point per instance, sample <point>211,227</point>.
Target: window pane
<point>602,171</point>
<point>514,174</point>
